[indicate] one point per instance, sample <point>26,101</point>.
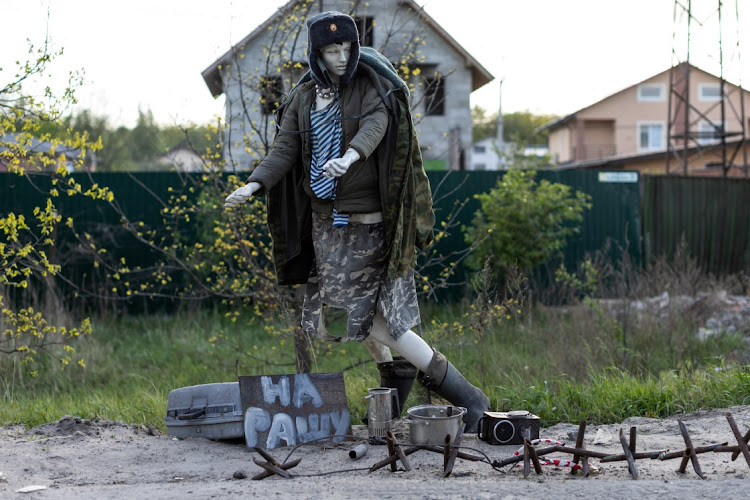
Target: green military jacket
<point>364,123</point>
<point>402,187</point>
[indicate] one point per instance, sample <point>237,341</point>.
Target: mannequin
<point>410,345</point>
<point>348,217</point>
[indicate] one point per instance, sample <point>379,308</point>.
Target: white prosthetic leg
<point>436,373</point>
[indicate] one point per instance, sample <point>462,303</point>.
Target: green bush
<point>523,222</point>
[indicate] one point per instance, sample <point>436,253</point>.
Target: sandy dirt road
<point>75,458</point>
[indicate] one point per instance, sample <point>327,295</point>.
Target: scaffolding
<point>691,134</point>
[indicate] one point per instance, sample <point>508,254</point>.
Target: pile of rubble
<point>718,312</point>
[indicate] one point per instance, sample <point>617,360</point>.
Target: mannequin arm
<point>338,166</point>
<point>241,195</point>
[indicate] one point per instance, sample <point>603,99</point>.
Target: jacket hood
<point>327,28</point>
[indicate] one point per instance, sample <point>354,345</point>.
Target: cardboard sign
<point>287,410</point>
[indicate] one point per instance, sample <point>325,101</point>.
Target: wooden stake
<point>628,456</point>
<point>272,468</point>
<point>267,473</point>
<point>689,452</point>
<point>741,441</point>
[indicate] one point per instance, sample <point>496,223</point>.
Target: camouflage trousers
<point>347,275</point>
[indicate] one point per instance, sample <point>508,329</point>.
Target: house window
<point>651,92</point>
<point>434,96</point>
<point>364,25</point>
<point>650,136</point>
<point>480,149</point>
<point>709,92</point>
<point>270,92</point>
<point>709,132</point>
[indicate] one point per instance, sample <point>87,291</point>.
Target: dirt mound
<point>77,426</point>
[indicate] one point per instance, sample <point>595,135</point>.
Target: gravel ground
<point>76,458</point>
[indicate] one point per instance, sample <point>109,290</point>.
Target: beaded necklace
<point>326,93</point>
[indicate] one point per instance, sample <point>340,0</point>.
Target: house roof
<point>212,74</point>
<point>480,75</point>
<point>36,146</point>
<point>611,161</point>
<point>553,124</point>
<point>619,161</point>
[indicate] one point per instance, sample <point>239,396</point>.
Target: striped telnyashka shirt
<point>326,145</point>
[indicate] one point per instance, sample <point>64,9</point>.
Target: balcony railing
<point>594,151</point>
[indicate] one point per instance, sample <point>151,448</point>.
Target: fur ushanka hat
<point>327,28</point>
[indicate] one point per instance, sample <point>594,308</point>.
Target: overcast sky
<point>554,56</point>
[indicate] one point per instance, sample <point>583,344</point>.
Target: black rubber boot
<point>398,374</point>
<point>443,378</point>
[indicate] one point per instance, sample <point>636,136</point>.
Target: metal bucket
<point>429,424</point>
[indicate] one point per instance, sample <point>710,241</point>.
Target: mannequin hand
<point>338,166</point>
<point>241,195</point>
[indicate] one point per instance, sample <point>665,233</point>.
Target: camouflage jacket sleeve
<point>373,124</point>
<point>285,151</point>
<point>410,218</point>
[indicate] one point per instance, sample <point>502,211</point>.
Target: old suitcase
<point>212,411</point>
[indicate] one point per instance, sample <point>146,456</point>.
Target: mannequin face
<point>335,57</point>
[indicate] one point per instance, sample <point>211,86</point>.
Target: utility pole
<point>694,135</point>
<point>502,160</point>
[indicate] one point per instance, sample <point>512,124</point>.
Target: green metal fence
<point>711,215</point>
<point>615,215</point>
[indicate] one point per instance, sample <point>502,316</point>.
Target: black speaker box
<point>508,428</point>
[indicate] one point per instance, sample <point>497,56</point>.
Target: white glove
<point>241,195</point>
<point>338,166</point>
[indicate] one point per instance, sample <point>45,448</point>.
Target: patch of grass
<point>613,395</point>
<point>563,366</point>
<point>133,362</point>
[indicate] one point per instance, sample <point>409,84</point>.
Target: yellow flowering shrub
<point>28,266</point>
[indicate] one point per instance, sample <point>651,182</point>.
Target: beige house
<point>255,74</point>
<point>631,128</point>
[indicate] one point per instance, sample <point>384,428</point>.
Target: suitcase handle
<point>193,415</point>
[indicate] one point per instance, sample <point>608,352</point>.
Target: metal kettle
<point>380,405</point>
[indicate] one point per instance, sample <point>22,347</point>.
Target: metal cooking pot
<point>429,424</point>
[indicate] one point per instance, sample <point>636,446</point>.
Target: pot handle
<point>396,403</point>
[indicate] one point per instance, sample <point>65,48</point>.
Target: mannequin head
<point>336,57</point>
<point>327,29</point>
